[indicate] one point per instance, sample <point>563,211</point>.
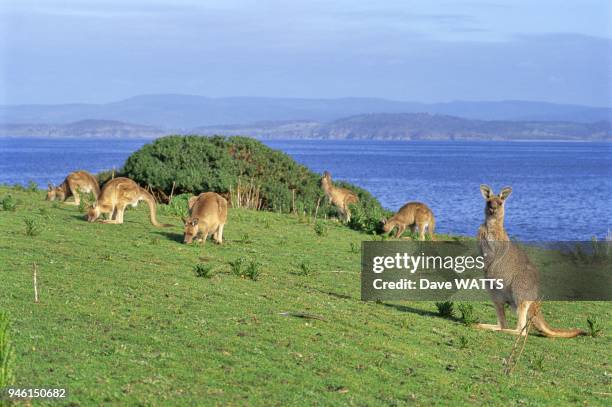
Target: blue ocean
<point>561,191</point>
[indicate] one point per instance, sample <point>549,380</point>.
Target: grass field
<point>123,319</point>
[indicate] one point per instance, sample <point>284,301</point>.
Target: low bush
<point>445,309</point>
<point>244,170</point>
<point>32,186</point>
<point>467,314</point>
<point>32,227</point>
<point>9,203</point>
<point>595,327</point>
<point>203,270</point>
<point>178,206</point>
<point>320,228</point>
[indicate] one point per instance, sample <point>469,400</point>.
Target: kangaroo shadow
<point>397,307</point>
<point>81,216</point>
<point>177,237</point>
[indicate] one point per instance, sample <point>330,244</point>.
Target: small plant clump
<point>32,186</point>
<point>445,309</point>
<point>32,227</point>
<point>595,327</point>
<point>237,265</point>
<point>203,270</point>
<point>320,228</point>
<point>241,269</point>
<point>86,200</point>
<point>9,203</point>
<point>253,270</point>
<point>467,314</point>
<point>304,269</point>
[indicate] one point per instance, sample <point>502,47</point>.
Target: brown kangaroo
<point>507,261</point>
<point>415,215</point>
<point>75,181</point>
<point>341,198</point>
<point>207,214</point>
<point>116,195</point>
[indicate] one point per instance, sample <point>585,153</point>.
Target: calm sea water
<point>562,191</point>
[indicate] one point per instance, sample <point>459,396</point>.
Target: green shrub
<point>253,270</point>
<point>179,206</point>
<point>203,270</point>
<point>320,228</point>
<point>241,269</point>
<point>32,186</point>
<point>467,314</point>
<point>86,200</point>
<point>445,309</point>
<point>9,203</point>
<point>595,327</point>
<point>304,269</point>
<point>221,164</point>
<point>237,265</point>
<point>367,214</point>
<point>32,227</point>
<point>6,352</point>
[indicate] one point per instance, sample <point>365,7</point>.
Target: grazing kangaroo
<point>75,181</point>
<point>207,214</point>
<point>116,195</point>
<point>341,198</point>
<point>415,215</point>
<point>506,260</point>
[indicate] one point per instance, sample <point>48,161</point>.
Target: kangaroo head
<point>191,229</point>
<point>54,193</point>
<point>93,212</point>
<point>495,203</point>
<point>386,226</point>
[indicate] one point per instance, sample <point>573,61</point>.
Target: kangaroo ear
<point>50,185</point>
<point>505,193</point>
<point>486,191</point>
<point>383,221</point>
<point>195,221</point>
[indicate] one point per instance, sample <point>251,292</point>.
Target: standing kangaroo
<point>116,195</point>
<point>75,181</point>
<point>207,214</point>
<point>341,198</point>
<point>507,261</point>
<point>415,215</point>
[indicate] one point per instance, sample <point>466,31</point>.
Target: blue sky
<point>430,51</point>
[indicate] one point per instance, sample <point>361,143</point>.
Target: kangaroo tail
<point>546,330</point>
<point>152,208</point>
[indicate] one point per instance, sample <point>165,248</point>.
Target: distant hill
<point>424,126</point>
<point>83,128</point>
<point>380,126</point>
<point>186,111</point>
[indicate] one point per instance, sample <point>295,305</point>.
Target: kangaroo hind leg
<point>501,319</point>
<point>218,236</point>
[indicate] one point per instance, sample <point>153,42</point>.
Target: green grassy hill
<point>123,319</point>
